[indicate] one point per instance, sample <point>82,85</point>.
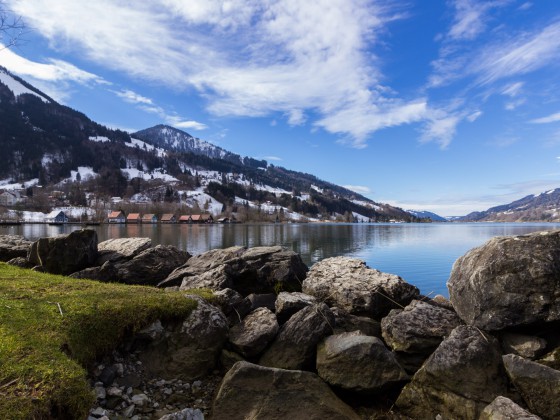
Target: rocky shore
<point>338,341</point>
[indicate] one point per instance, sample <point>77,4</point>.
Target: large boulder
<point>255,270</point>
<point>538,385</point>
<point>346,322</point>
<point>65,254</point>
<point>418,328</point>
<point>187,350</point>
<point>152,265</point>
<point>358,363</point>
<point>503,408</point>
<point>234,306</point>
<point>13,246</point>
<point>350,284</point>
<point>254,333</point>
<point>462,376</point>
<point>527,346</point>
<point>121,249</point>
<point>296,343</point>
<point>255,392</point>
<point>508,282</point>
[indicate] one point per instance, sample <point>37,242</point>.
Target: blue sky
<point>448,106</point>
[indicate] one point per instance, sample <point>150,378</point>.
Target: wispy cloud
<point>546,120</point>
<point>245,58</point>
<point>471,18</point>
<point>132,97</point>
<point>273,158</point>
<point>360,189</point>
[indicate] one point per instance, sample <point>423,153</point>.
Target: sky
<point>447,106</point>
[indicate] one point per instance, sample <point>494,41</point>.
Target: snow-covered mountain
<point>532,208</point>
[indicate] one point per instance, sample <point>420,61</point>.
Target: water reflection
<point>422,254</point>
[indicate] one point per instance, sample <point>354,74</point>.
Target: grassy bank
<point>53,327</point>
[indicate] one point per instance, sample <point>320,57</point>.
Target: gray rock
<point>254,333</point>
<point>287,304</point>
<point>107,273</point>
<point>508,281</point>
<point>234,306</point>
<point>255,270</point>
<point>262,300</point>
<point>20,262</point>
<point>296,343</point>
<point>185,414</point>
<point>415,331</point>
<point>65,254</point>
<point>152,265</point>
<point>13,246</point>
<point>140,400</point>
<point>346,322</point>
<point>503,408</point>
<point>350,284</point>
<point>461,377</point>
<point>551,359</point>
<point>255,392</point>
<point>121,249</point>
<point>538,385</point>
<point>527,346</point>
<point>229,358</point>
<point>190,349</point>
<point>359,363</point>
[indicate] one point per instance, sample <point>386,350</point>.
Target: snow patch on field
<point>8,184</point>
<point>100,139</point>
<point>155,174</point>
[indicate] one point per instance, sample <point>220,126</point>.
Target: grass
<point>52,328</point>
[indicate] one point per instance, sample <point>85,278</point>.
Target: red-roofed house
<point>116,217</point>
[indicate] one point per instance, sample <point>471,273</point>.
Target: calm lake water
<point>422,254</point>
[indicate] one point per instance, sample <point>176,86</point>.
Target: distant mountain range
<point>543,207</point>
<point>423,214</point>
<point>51,145</point>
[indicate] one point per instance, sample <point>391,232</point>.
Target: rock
<point>538,385</point>
<point>229,358</point>
<point>128,411</point>
<point>257,392</point>
<point>140,400</point>
<point>234,306</point>
<point>65,254</point>
<point>152,265</point>
<point>508,281</point>
<point>185,414</point>
<point>551,359</point>
<point>121,249</point>
<point>255,270</point>
<point>287,304</point>
<point>190,349</point>
<point>526,346</point>
<point>296,343</point>
<point>262,300</point>
<point>350,284</point>
<point>503,408</point>
<point>418,328</point>
<point>254,333</point>
<point>13,246</point>
<point>20,262</point>
<point>106,273</point>
<point>461,377</point>
<point>108,375</point>
<point>359,363</point>
<point>346,322</point>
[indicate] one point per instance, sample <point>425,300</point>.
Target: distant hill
<point>543,207</point>
<point>69,156</point>
<point>422,214</point>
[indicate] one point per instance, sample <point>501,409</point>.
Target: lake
<point>422,254</point>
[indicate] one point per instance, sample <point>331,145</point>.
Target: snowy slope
<point>17,87</point>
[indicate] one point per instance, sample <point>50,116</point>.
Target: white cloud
<point>273,158</point>
<point>441,127</point>
<point>360,189</point>
<point>133,97</point>
<point>245,57</point>
<point>470,18</point>
<point>474,116</point>
<point>546,120</point>
<point>195,125</point>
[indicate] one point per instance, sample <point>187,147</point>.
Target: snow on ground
<point>273,208</point>
<point>202,199</point>
<point>75,213</point>
<point>316,188</point>
<point>367,204</point>
<point>86,172</point>
<point>143,145</point>
<point>360,218</point>
<point>27,216</point>
<point>17,185</point>
<point>17,88</point>
<point>155,174</point>
<point>100,139</point>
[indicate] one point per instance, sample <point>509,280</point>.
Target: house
<point>8,198</point>
<point>56,216</point>
<point>133,218</point>
<point>185,219</point>
<point>116,217</point>
<point>223,220</point>
<point>202,218</point>
<point>149,218</point>
<point>168,218</point>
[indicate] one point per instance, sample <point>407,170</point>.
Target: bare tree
<point>11,28</point>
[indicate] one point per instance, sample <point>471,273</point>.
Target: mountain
<point>543,207</point>
<point>423,214</point>
<point>58,153</point>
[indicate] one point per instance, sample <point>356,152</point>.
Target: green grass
<point>44,355</point>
